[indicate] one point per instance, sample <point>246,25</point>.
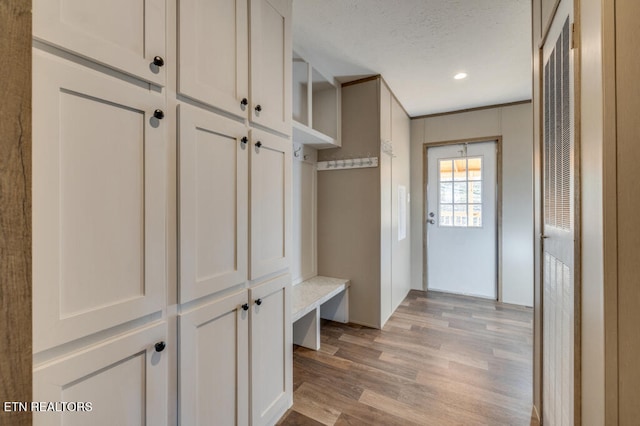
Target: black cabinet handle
<point>160,346</point>
<point>158,61</point>
<point>159,114</point>
<point>258,108</point>
<point>258,302</point>
<point>244,140</point>
<point>258,144</point>
<point>245,307</point>
<point>244,102</point>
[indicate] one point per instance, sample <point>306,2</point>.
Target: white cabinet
<point>224,340</point>
<point>213,155</point>
<point>270,203</point>
<point>270,59</point>
<point>271,350</point>
<point>122,34</point>
<point>253,79</point>
<point>214,53</point>
<point>214,361</point>
<point>99,202</point>
<point>124,380</point>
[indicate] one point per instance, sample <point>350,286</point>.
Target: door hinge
<point>574,36</point>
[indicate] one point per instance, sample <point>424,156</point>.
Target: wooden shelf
<point>308,136</point>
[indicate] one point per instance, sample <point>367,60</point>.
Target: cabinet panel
<point>123,34</point>
<point>213,376</point>
<point>124,379</point>
<point>209,31</point>
<point>213,203</point>
<point>271,350</point>
<point>270,203</point>
<point>271,52</point>
<point>99,202</point>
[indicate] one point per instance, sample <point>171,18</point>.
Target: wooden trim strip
<point>361,80</point>
<point>15,210</point>
<point>460,111</point>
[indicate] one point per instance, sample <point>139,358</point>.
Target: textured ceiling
<point>419,45</point>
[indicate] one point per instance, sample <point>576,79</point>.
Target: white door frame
<point>425,176</point>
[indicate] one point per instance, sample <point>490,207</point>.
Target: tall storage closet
<point>162,211</point>
<point>362,213</point>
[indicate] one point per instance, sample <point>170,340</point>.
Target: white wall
<point>514,124</point>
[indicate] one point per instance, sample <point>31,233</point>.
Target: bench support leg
<point>337,308</point>
<point>306,330</point>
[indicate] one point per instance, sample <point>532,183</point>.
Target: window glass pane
<point>460,192</point>
<point>446,215</point>
<point>446,167</point>
<point>475,215</point>
<point>460,215</point>
<point>460,169</point>
<point>475,168</point>
<point>446,192</point>
<point>475,192</point>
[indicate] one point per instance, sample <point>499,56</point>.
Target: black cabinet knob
<point>158,61</point>
<point>244,102</point>
<point>160,346</point>
<point>258,144</point>
<point>244,140</point>
<point>158,114</point>
<point>258,108</point>
<point>245,307</point>
<point>258,302</point>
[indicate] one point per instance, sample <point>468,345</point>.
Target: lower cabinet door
<point>213,363</point>
<point>122,381</point>
<point>271,350</point>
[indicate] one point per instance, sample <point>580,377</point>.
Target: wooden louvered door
<point>559,281</point>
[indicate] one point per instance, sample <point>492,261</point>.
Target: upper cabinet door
<point>123,379</point>
<point>270,203</point>
<point>99,201</point>
<point>123,34</point>
<point>213,202</point>
<point>271,64</point>
<point>214,53</point>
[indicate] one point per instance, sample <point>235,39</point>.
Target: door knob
<point>244,102</point>
<point>258,108</point>
<point>244,140</point>
<point>158,61</point>
<point>258,302</point>
<point>258,144</point>
<point>160,346</point>
<point>159,114</point>
<point>245,307</point>
<point>431,221</point>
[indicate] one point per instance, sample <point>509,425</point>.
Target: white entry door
<point>461,219</point>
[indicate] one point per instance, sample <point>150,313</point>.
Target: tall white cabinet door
<point>124,34</point>
<point>214,360</point>
<point>213,202</point>
<point>270,203</point>
<point>271,350</point>
<point>99,202</point>
<point>124,379</point>
<point>271,64</point>
<point>214,53</point>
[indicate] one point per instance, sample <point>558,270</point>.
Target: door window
<point>460,192</point>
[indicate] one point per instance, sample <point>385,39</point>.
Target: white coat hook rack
<point>348,163</point>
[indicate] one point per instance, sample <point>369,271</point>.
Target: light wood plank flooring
<point>440,360</point>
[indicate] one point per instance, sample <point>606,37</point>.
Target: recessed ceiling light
<point>460,75</point>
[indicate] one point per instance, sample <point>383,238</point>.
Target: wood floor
<point>440,360</point>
